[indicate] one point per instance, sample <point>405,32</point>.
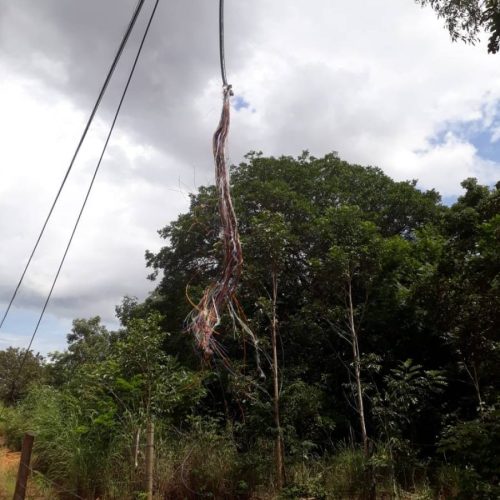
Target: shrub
<point>474,448</point>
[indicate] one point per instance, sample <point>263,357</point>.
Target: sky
<point>379,82</point>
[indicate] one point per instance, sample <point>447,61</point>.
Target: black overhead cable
<point>221,43</point>
<point>139,50</point>
<point>118,54</point>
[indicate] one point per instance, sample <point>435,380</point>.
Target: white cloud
<point>377,92</point>
<point>375,81</point>
<point>124,211</point>
<point>444,164</point>
<point>15,340</point>
<point>495,134</point>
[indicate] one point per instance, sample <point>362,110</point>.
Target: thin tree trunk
<point>136,448</point>
<point>475,381</point>
<point>149,459</point>
<point>279,451</point>
<point>357,369</point>
<point>372,492</point>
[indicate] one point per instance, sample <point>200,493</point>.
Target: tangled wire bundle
<point>206,316</point>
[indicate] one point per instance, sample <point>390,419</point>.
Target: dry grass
<point>9,464</point>
<point>8,470</point>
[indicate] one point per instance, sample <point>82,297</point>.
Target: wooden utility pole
<point>150,434</point>
<point>24,467</point>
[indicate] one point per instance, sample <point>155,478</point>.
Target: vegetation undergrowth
<point>363,362</point>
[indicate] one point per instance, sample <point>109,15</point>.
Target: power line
<point>139,50</point>
<point>77,150</point>
<point>221,43</point>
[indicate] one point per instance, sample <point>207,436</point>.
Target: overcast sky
<point>378,81</point>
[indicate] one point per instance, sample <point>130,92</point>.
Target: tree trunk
<point>475,381</point>
<point>149,459</point>
<point>357,369</point>
<point>372,492</point>
<point>136,447</point>
<point>279,451</point>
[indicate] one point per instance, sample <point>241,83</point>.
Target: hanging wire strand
<point>206,315</point>
<point>111,71</point>
<point>124,93</point>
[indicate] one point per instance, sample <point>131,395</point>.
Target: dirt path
<point>9,463</point>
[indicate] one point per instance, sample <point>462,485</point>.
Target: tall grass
<point>94,459</point>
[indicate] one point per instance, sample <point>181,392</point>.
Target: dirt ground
<point>9,464</point>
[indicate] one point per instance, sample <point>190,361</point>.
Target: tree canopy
<point>368,316</point>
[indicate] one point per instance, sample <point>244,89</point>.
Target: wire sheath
<point>221,43</point>
<point>77,150</point>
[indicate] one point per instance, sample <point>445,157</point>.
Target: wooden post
<point>24,467</point>
<point>150,433</point>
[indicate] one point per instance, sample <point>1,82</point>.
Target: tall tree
<point>468,283</point>
<point>303,205</point>
<point>14,382</point>
<point>270,239</point>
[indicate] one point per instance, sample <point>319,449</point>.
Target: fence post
<point>24,467</point>
<point>150,432</point>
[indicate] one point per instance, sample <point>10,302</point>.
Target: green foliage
<point>144,376</point>
<point>465,19</point>
<point>13,383</point>
<point>209,460</point>
<point>88,344</point>
<point>303,419</point>
<point>467,288</point>
<point>11,426</point>
<point>325,226</point>
<point>87,424</point>
<point>474,446</point>
<point>62,446</point>
<point>424,281</point>
<point>406,394</point>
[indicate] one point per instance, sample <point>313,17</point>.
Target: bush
<point>11,426</point>
<point>473,448</point>
<point>205,462</point>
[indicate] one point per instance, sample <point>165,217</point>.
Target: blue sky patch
<point>479,133</point>
<point>449,200</point>
<point>19,325</point>
<point>486,148</point>
<point>239,102</point>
